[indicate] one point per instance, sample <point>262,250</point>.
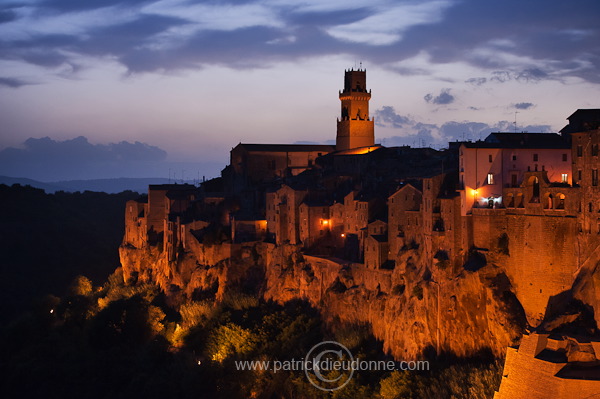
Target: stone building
<point>500,161</point>
<point>404,218</point>
<point>282,214</point>
<point>355,128</point>
<point>253,164</point>
<point>546,366</point>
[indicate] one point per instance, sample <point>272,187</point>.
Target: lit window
<point>490,179</point>
<point>565,178</point>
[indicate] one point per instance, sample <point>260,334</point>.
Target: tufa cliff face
<point>411,309</point>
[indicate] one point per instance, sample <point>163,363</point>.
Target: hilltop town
<point>451,251</point>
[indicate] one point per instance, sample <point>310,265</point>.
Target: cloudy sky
<point>179,82</point>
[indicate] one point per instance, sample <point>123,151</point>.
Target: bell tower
<point>355,128</point>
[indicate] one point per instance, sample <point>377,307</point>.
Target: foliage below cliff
<point>124,341</point>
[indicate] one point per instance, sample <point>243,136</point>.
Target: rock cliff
<point>411,309</point>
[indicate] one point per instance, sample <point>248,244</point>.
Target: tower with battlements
<point>355,128</point>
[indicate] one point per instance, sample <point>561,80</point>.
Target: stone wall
<point>540,368</point>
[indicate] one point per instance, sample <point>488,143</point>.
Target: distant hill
<point>110,186</point>
<point>48,239</point>
<point>47,187</point>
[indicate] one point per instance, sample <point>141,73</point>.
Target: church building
<point>252,164</point>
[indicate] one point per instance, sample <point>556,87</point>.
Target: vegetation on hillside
<point>124,341</point>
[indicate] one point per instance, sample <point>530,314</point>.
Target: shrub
<point>192,313</point>
<point>228,340</point>
<point>397,385</point>
<point>81,285</point>
<point>239,301</point>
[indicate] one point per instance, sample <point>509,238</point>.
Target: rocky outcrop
<point>411,309</point>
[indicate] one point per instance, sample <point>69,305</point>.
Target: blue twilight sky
<point>174,84</point>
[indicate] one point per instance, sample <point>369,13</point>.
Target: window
<point>594,177</point>
<point>564,178</point>
<point>513,180</point>
<point>535,157</point>
<point>490,157</point>
<point>490,178</point>
<point>579,175</point>
<point>579,151</point>
<point>564,157</point>
<point>594,150</point>
<point>514,158</point>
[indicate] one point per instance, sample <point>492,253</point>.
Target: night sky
<point>173,84</point>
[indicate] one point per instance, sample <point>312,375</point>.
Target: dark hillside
<point>48,239</point>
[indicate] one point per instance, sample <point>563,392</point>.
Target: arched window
<point>535,189</point>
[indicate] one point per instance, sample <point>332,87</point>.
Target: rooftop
<point>521,140</point>
<point>582,120</point>
<point>287,147</point>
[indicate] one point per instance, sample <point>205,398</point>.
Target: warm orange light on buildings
<point>360,150</point>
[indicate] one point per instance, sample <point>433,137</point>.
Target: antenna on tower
<point>516,112</point>
<point>360,67</point>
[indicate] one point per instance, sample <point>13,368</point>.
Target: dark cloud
<point>426,134</point>
<point>537,31</point>
<point>7,16</point>
<point>443,98</point>
<point>476,81</point>
<point>328,18</point>
<point>523,41</point>
<point>387,116</point>
<point>531,74</point>
<point>527,75</point>
<point>523,105</point>
<point>501,76</point>
<point>47,159</point>
<point>77,5</point>
<point>13,83</point>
